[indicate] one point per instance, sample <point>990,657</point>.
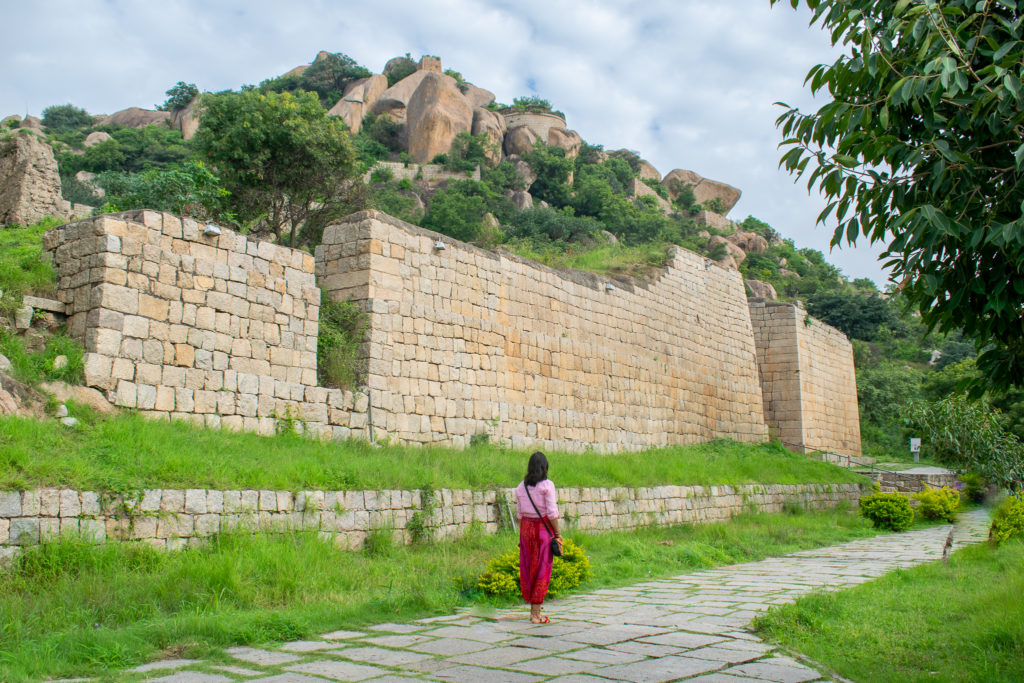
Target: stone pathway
<point>690,627</point>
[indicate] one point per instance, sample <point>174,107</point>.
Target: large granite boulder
<point>435,114</point>
<point>478,97</point>
<point>749,242</point>
<point>731,249</point>
<point>29,181</point>
<point>711,194</point>
<point>134,117</point>
<point>760,290</point>
<point>522,199</point>
<point>187,120</point>
<point>523,169</point>
<point>96,137</point>
<point>519,141</point>
<point>395,99</point>
<point>358,100</point>
<point>647,170</point>
<point>491,124</point>
<point>569,140</point>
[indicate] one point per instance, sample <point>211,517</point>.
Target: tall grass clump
<point>342,329</point>
<point>22,268</point>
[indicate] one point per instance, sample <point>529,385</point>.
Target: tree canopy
<point>284,161</point>
<point>922,147</point>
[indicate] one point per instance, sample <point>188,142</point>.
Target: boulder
<point>187,120</point>
<point>786,272</point>
<point>609,237</point>
<point>491,124</point>
<point>705,191</point>
<point>436,113</point>
<point>19,399</point>
<point>478,97</point>
<point>522,199</point>
<point>134,117</point>
<point>760,290</point>
<point>750,242</point>
<point>737,254</point>
<point>29,181</point>
<point>430,63</point>
<point>88,179</point>
<point>297,71</point>
<point>32,122</point>
<point>86,396</point>
<point>569,140</point>
<point>728,261</point>
<point>519,141</point>
<point>96,137</point>
<point>648,171</point>
<point>358,100</point>
<point>395,63</point>
<point>395,99</point>
<point>523,170</point>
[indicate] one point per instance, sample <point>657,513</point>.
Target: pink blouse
<point>543,495</point>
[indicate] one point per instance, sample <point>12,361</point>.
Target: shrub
<point>342,328</point>
<point>65,117</point>
<point>938,504</point>
<point>568,572</point>
<point>975,486</point>
<point>179,96</point>
<point>400,68</point>
<point>1008,521</point>
<point>888,511</point>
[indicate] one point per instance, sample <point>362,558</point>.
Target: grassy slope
<point>69,609</point>
<point>130,452</point>
<point>961,622</point>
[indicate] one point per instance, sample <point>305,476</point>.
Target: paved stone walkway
<point>690,627</point>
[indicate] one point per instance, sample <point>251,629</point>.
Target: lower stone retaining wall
<point>174,518</point>
<point>906,482</point>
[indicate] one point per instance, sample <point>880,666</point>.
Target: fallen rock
<point>29,181</point>
<point>85,396</point>
<point>96,137</point>
<point>705,191</point>
<point>760,290</point>
<point>749,242</point>
<point>135,117</point>
<point>358,100</point>
<point>60,362</point>
<point>88,179</point>
<point>5,363</point>
<point>435,114</point>
<point>522,199</point>
<point>19,399</point>
<point>491,124</point>
<point>569,140</point>
<point>23,318</point>
<point>69,421</point>
<point>61,410</point>
<point>737,254</point>
<point>648,171</point>
<point>519,141</point>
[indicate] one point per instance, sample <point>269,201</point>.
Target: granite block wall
<point>808,381</point>
<point>465,341</point>
<point>174,518</point>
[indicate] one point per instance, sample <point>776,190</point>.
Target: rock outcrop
<point>749,242</point>
<point>569,140</point>
<point>436,113</point>
<point>29,181</point>
<point>519,141</point>
<point>358,100</point>
<point>187,120</point>
<point>491,124</point>
<point>648,171</point>
<point>705,191</point>
<point>478,97</point>
<point>96,137</point>
<point>760,290</point>
<point>737,254</point>
<point>135,117</point>
<point>641,189</point>
<point>395,99</point>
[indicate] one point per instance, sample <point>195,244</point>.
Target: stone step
<point>39,303</point>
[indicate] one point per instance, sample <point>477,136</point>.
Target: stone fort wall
<point>222,330</point>
<point>808,380</point>
<point>466,341</point>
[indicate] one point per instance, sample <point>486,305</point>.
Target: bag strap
<point>547,526</point>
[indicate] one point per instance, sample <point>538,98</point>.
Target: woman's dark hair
<point>537,469</point>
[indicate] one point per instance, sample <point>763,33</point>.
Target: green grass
<point>605,259</point>
<point>961,622</point>
<point>22,269</point>
<point>69,609</point>
<point>129,453</point>
<point>32,367</point>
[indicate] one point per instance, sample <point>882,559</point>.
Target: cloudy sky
<point>686,83</point>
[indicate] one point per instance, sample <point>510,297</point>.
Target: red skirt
<point>534,560</point>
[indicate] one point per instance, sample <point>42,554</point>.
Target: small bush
<point>888,511</point>
<point>975,486</point>
<point>938,504</point>
<point>1008,521</point>
<point>568,572</point>
<point>342,328</point>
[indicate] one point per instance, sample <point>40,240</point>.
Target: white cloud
<point>687,84</point>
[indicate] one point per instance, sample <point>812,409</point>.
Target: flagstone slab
<point>397,628</point>
<point>555,666</point>
<point>668,668</point>
<point>166,664</point>
<point>381,656</point>
<point>338,671</point>
<point>307,645</point>
<point>289,678</point>
<point>261,657</point>
<point>237,670</point>
<point>500,656</point>
<point>192,677</point>
<point>476,674</point>
<point>485,633</point>
<point>600,655</point>
<point>342,635</point>
<point>397,641</point>
<point>450,647</point>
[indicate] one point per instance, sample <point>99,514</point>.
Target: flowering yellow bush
<point>568,571</point>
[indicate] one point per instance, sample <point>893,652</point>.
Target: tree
<point>187,190</point>
<point>921,147</point>
<point>856,315</point>
<point>329,75</point>
<point>281,157</point>
<point>179,96</point>
<point>65,117</point>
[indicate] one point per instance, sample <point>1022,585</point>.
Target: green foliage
<point>502,177</point>
<point>975,486</point>
<point>32,367</point>
<point>459,209</point>
<point>62,118</point>
<point>382,175</point>
<point>179,96</point>
<point>22,268</point>
<point>77,192</point>
<point>890,511</point>
<point>131,150</point>
<point>533,103</point>
<point>658,188</point>
<point>550,226</point>
<point>919,144</point>
<point>1008,520</point>
<point>968,434</point>
<point>284,161</point>
<point>383,130</point>
<point>342,329</point>
<point>467,152</point>
<point>460,82</point>
<point>398,200</point>
<point>501,578</point>
<point>552,168</point>
<point>402,68</point>
<point>187,190</point>
<point>856,315</point>
<point>759,227</point>
<point>936,504</point>
<point>329,75</point>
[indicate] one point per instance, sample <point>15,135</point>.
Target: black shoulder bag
<point>556,549</point>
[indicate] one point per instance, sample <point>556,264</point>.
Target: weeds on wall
<point>342,329</point>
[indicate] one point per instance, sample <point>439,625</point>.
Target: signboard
<point>915,448</point>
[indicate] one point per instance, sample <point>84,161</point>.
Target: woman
<point>535,520</point>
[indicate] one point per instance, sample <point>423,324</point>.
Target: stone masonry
<point>173,518</point>
<point>465,341</point>
<point>808,380</point>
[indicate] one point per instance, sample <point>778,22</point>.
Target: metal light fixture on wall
<point>211,230</point>
<point>609,287</point>
<point>440,246</point>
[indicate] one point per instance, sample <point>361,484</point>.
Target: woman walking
<point>537,509</point>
